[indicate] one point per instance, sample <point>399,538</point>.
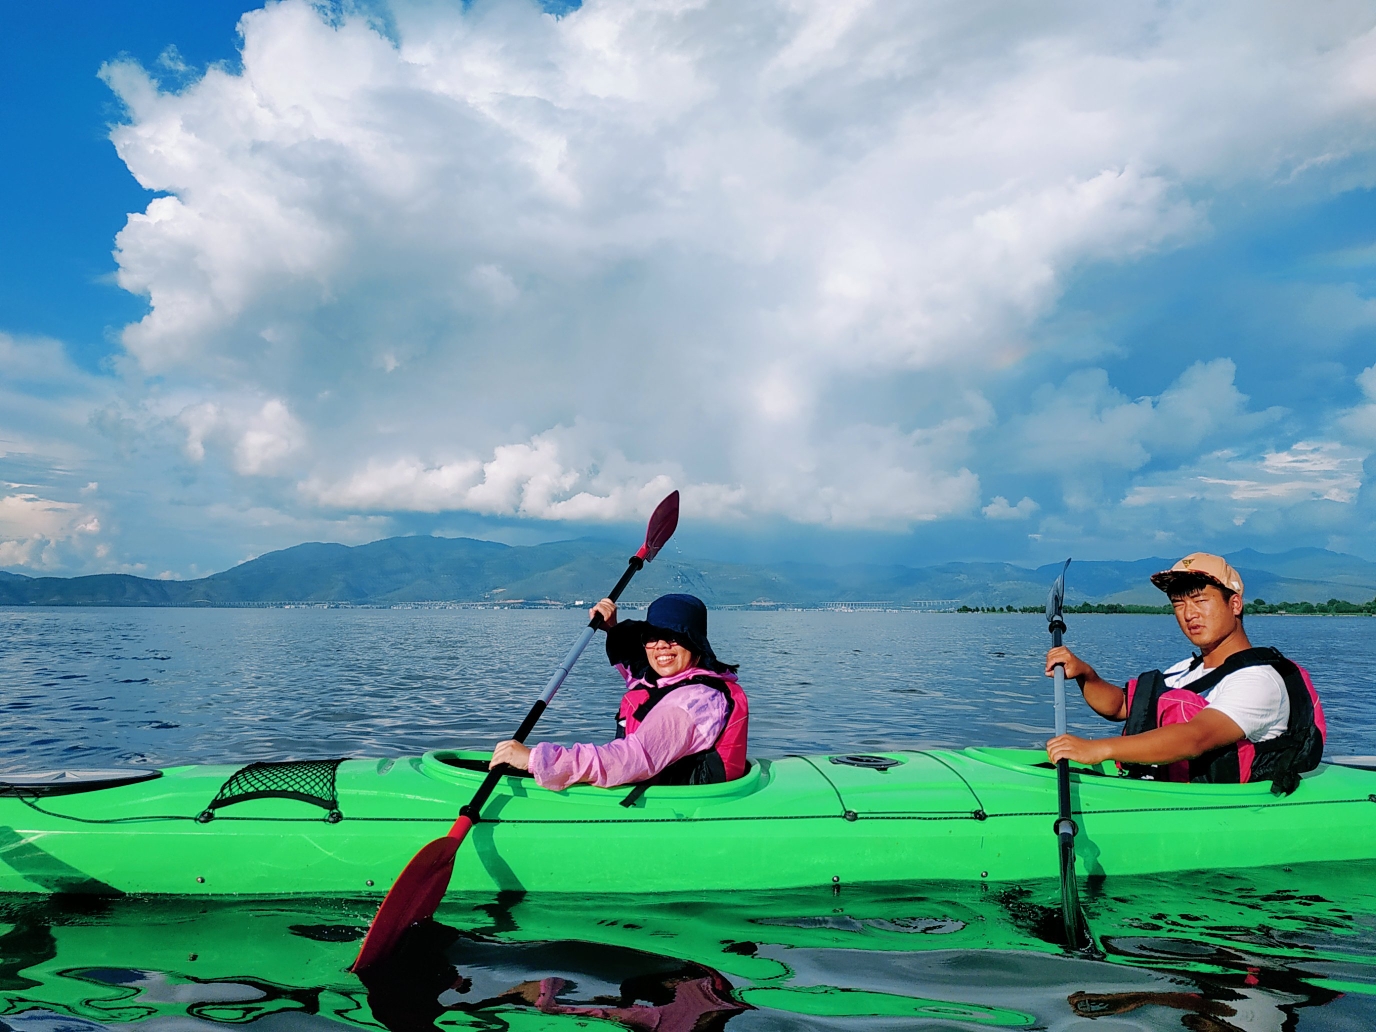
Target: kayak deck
<point>970,815</point>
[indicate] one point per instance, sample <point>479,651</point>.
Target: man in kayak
<point>684,717</point>
<point>1230,713</point>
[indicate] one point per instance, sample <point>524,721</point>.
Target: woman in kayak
<point>682,721</point>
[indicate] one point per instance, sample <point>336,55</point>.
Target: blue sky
<point>911,282</point>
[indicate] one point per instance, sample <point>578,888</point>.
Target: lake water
<point>1267,950</point>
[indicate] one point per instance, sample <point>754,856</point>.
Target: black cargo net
<point>310,781</point>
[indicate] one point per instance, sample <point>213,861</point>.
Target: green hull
<point>968,816</point>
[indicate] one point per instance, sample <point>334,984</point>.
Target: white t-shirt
<point>1254,698</point>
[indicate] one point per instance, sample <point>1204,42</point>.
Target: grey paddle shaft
<point>1059,677</point>
<point>475,804</point>
<point>1076,931</point>
<point>633,566</point>
<point>557,681</point>
<point>1056,625</point>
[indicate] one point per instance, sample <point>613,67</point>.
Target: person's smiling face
<point>667,658</point>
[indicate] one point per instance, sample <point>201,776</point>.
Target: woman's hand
<point>512,753</point>
<point>1081,750</point>
<point>605,609</point>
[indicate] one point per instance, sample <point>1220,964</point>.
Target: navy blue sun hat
<point>677,617</point>
<point>683,618</point>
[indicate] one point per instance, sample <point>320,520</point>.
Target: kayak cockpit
<point>469,768</point>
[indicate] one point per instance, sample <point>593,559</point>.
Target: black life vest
<point>1282,759</point>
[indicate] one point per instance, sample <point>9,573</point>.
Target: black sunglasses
<point>668,637</point>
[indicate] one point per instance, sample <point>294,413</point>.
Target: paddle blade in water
<point>1075,929</point>
<point>414,897</point>
<point>663,523</point>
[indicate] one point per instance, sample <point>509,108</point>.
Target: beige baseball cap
<point>1200,564</point>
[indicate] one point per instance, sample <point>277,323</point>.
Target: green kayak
<point>348,827</point>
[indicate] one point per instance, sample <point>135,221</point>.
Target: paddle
<point>420,887</point>
<point>1076,930</point>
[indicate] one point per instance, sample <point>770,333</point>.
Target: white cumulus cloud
<point>32,529</point>
<point>999,509</point>
<point>415,266</point>
<point>1360,421</point>
<point>431,253</point>
<point>260,438</point>
<point>1085,423</point>
<point>1306,471</point>
<point>543,478</point>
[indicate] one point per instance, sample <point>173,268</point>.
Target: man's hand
<point>1081,750</point>
<point>1074,666</point>
<point>512,753</point>
<point>607,610</point>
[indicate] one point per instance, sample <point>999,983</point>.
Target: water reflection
<point>1263,951</point>
<point>438,969</point>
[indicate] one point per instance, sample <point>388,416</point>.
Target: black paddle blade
<point>663,523</point>
<point>1056,596</point>
<point>1070,896</point>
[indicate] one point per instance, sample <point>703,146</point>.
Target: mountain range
<point>405,570</point>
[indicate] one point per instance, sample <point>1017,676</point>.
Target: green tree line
<point>1258,606</point>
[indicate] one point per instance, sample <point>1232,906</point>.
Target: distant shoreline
<point>429,572</point>
<point>1334,607</point>
<point>1341,608</point>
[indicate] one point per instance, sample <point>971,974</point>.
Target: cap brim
<point>1167,579</point>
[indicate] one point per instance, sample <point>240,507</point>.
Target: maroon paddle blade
<point>663,523</point>
<point>413,897</point>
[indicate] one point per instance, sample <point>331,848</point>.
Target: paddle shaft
<point>1076,932</point>
<point>1065,826</point>
<point>468,815</point>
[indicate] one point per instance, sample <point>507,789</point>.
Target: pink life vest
<point>724,759</point>
<point>1151,704</point>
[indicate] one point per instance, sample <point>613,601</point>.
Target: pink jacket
<point>688,720</point>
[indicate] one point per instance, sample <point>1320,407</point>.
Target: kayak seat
<point>479,765</point>
<point>310,781</point>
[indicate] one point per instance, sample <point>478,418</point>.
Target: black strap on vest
<point>699,768</point>
<point>1142,717</point>
<point>1297,749</point>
